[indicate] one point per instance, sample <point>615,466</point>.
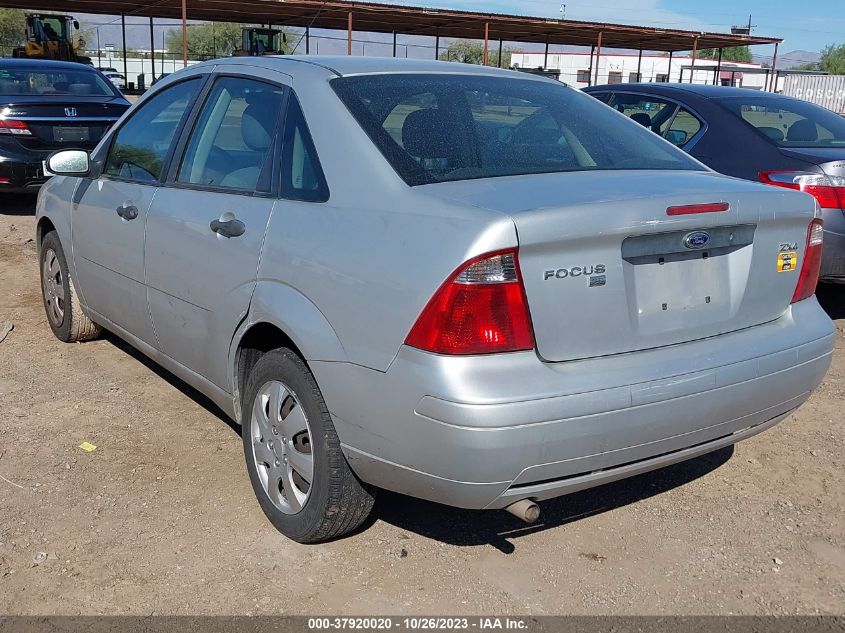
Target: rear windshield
<point>439,127</point>
<point>789,122</point>
<point>23,81</point>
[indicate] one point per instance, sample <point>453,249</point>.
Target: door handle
<point>228,228</point>
<point>127,211</point>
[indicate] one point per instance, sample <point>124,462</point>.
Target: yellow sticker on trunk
<point>787,261</point>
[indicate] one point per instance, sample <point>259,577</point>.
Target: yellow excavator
<point>50,36</point>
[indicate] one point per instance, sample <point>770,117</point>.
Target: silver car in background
<point>468,285</point>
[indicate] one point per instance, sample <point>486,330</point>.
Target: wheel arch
<point>279,316</point>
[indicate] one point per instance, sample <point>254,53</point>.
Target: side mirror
<point>70,162</point>
<point>676,137</point>
<point>76,24</point>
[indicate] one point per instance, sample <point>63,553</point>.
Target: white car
<point>117,79</point>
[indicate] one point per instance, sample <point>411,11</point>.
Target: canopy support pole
<point>184,33</point>
<point>123,30</point>
<point>486,43</point>
<point>669,71</point>
<point>349,33</point>
<point>437,45</point>
<point>590,71</point>
<point>307,40</point>
<point>394,43</point>
<point>774,86</point>
<point>500,52</point>
<point>640,66</point>
<point>717,78</point>
<point>546,55</point>
<point>152,52</point>
<point>692,65</point>
<point>598,56</point>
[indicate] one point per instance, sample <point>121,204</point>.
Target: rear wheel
<point>61,303</point>
<point>293,454</point>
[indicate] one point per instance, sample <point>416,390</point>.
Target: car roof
<point>704,91</point>
<point>356,65</point>
<point>28,62</point>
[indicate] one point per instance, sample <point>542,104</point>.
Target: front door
<point>110,212</point>
<point>206,226</point>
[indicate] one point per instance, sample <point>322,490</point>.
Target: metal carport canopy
<point>408,20</point>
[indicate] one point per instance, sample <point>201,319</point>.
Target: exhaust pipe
<point>525,509</point>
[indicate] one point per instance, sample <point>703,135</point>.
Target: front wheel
<point>64,311</point>
<point>297,469</point>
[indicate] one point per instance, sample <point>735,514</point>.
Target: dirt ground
<point>160,518</point>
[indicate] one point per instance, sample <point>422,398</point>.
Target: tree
<point>212,39</point>
<point>12,30</point>
<point>833,59</point>
<point>472,52</point>
<point>729,54</point>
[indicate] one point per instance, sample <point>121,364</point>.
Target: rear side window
<point>651,112</point>
<point>684,126</point>
<point>302,176</point>
<point>143,141</point>
<point>439,127</point>
<point>233,137</point>
<point>789,122</point>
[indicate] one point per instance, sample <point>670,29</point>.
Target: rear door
<point>110,212</point>
<point>206,226</point>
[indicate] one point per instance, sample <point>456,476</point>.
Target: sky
<point>801,30</point>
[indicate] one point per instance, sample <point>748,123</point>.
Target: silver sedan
<point>474,286</point>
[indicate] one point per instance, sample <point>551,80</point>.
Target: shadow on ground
<point>175,381</point>
<point>832,299</point>
<point>17,204</point>
<point>498,528</point>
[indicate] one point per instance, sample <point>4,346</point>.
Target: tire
<point>58,293</point>
<point>277,454</point>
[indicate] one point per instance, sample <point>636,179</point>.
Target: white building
<point>164,63</point>
<point>579,70</point>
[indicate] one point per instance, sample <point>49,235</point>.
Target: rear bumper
<point>21,172</point>
<point>483,432</point>
<point>833,253</point>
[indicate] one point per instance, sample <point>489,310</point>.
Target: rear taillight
<point>829,191</point>
<point>809,275</point>
<point>480,309</point>
<point>10,126</point>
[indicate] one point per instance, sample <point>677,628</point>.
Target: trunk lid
<point>55,123</point>
<point>607,271</point>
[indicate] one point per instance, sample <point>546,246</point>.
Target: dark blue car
<point>754,135</point>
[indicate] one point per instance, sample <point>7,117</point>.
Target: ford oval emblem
<point>696,239</point>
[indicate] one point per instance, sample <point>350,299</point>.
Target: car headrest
<point>642,118</point>
<point>772,132</point>
<point>428,133</point>
<point>256,116</point>
<point>803,130</point>
<point>79,89</point>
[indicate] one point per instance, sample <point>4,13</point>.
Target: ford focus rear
<point>467,285</point>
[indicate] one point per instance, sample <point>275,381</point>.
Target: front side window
<point>789,122</point>
<point>233,137</point>
<point>456,127</point>
<point>143,141</point>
